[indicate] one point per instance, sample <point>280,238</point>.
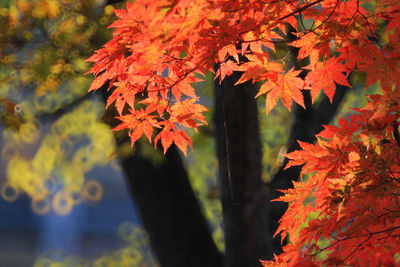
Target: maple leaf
<point>324,75</point>
<point>188,113</point>
<point>121,95</point>
<point>307,46</point>
<point>166,137</point>
<point>287,86</point>
<point>229,50</point>
<point>183,88</point>
<point>169,134</point>
<point>155,104</point>
<point>99,81</point>
<point>138,122</point>
<point>259,68</point>
<point>226,69</point>
<point>252,43</point>
<point>382,68</point>
<point>144,127</point>
<point>182,140</point>
<point>394,22</point>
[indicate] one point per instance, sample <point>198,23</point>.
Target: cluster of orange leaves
<point>159,48</point>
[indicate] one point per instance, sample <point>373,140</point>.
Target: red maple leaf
<point>324,75</point>
<point>287,86</point>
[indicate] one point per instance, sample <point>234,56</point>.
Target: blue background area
<point>89,231</point>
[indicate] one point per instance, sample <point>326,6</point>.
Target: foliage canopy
<point>159,48</point>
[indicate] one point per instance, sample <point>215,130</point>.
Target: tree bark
<point>239,157</point>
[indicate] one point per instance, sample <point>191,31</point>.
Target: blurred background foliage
<point>53,138</point>
<point>52,133</point>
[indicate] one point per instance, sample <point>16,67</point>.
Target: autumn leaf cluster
<point>160,48</point>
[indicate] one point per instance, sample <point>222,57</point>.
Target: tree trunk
<point>239,157</point>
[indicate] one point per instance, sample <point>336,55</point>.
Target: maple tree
<point>159,48</point>
<point>46,113</point>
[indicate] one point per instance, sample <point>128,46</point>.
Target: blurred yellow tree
<point>51,130</point>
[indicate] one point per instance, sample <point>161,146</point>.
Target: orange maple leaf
<point>138,122</point>
<point>287,86</point>
<point>259,67</point>
<point>170,134</point>
<point>324,75</point>
<point>226,69</point>
<point>121,95</point>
